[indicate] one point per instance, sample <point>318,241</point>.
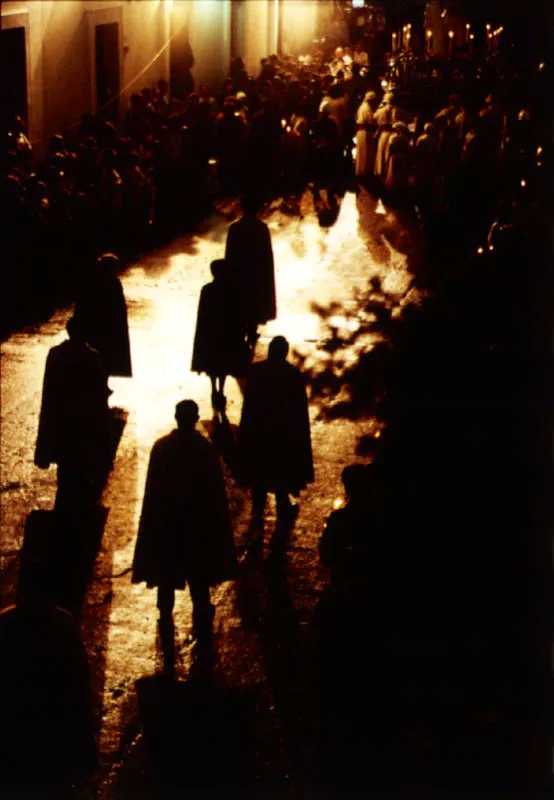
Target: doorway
<point>107,69</point>
<point>13,76</point>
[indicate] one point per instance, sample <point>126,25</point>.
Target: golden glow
<point>541,66</point>
<point>523,183</point>
<point>539,150</point>
<point>429,33</point>
<point>450,34</point>
<point>480,250</point>
<point>472,36</point>
<point>488,27</point>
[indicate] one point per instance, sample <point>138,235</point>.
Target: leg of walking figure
<point>286,511</point>
<point>166,601</point>
<point>202,610</point>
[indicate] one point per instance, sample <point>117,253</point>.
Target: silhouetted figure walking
<point>220,347</point>
<point>102,312</point>
<point>274,433</point>
<point>250,256</point>
<point>73,427</point>
<point>46,730</point>
<point>185,534</point>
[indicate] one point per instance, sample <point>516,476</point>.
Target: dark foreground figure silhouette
<point>47,744</point>
<point>274,433</point>
<point>185,534</point>
<point>74,427</point>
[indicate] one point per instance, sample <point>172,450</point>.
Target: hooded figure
<point>102,313</point>
<point>366,147</point>
<point>385,115</point>
<point>274,433</point>
<point>397,175</point>
<point>185,534</point>
<point>250,255</point>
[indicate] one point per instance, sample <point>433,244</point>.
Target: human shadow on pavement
<point>198,737</point>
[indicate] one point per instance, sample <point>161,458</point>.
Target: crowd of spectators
<point>457,142</point>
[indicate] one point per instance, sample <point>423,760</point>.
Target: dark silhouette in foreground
<point>185,534</point>
<point>274,434</point>
<point>47,745</point>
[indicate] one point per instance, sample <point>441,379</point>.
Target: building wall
<point>61,71</point>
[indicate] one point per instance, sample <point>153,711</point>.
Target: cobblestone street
<point>262,624</point>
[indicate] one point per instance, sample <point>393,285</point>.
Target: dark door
<point>107,69</point>
<point>13,76</point>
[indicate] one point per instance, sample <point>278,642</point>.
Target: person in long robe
<point>274,433</point>
<point>366,147</point>
<point>426,167</point>
<point>397,176</point>
<point>102,313</point>
<point>384,118</point>
<point>250,255</point>
<point>220,347</point>
<point>73,429</point>
<point>185,535</point>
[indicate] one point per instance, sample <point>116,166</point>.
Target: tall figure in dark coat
<point>185,534</point>
<point>250,255</point>
<point>102,312</point>
<point>274,433</point>
<point>220,347</point>
<point>73,429</point>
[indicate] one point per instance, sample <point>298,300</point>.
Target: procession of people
<point>458,152</point>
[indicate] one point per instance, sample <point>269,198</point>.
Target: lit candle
<point>450,42</point>
<point>393,42</point>
<point>408,36</point>
<point>468,28</point>
<point>471,38</point>
<point>429,35</point>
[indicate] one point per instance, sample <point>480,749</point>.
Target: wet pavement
<point>262,623</point>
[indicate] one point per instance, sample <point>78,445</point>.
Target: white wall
<point>299,25</point>
<point>61,53</point>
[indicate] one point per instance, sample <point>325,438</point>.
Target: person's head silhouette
<point>355,481</point>
<point>278,349</point>
<point>217,268</point>
<point>74,329</point>
<point>186,415</point>
<point>108,262</point>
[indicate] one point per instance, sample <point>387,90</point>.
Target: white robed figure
<point>366,146</point>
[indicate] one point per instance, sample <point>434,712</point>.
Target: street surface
<point>262,623</point>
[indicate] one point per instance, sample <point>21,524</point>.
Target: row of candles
<point>401,40</point>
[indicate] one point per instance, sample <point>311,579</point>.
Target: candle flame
<point>480,250</point>
<point>523,183</point>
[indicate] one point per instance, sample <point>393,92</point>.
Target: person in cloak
<point>74,421</point>
<point>250,255</point>
<point>366,146</point>
<point>185,535</point>
<point>220,347</point>
<point>274,433</point>
<point>102,313</point>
